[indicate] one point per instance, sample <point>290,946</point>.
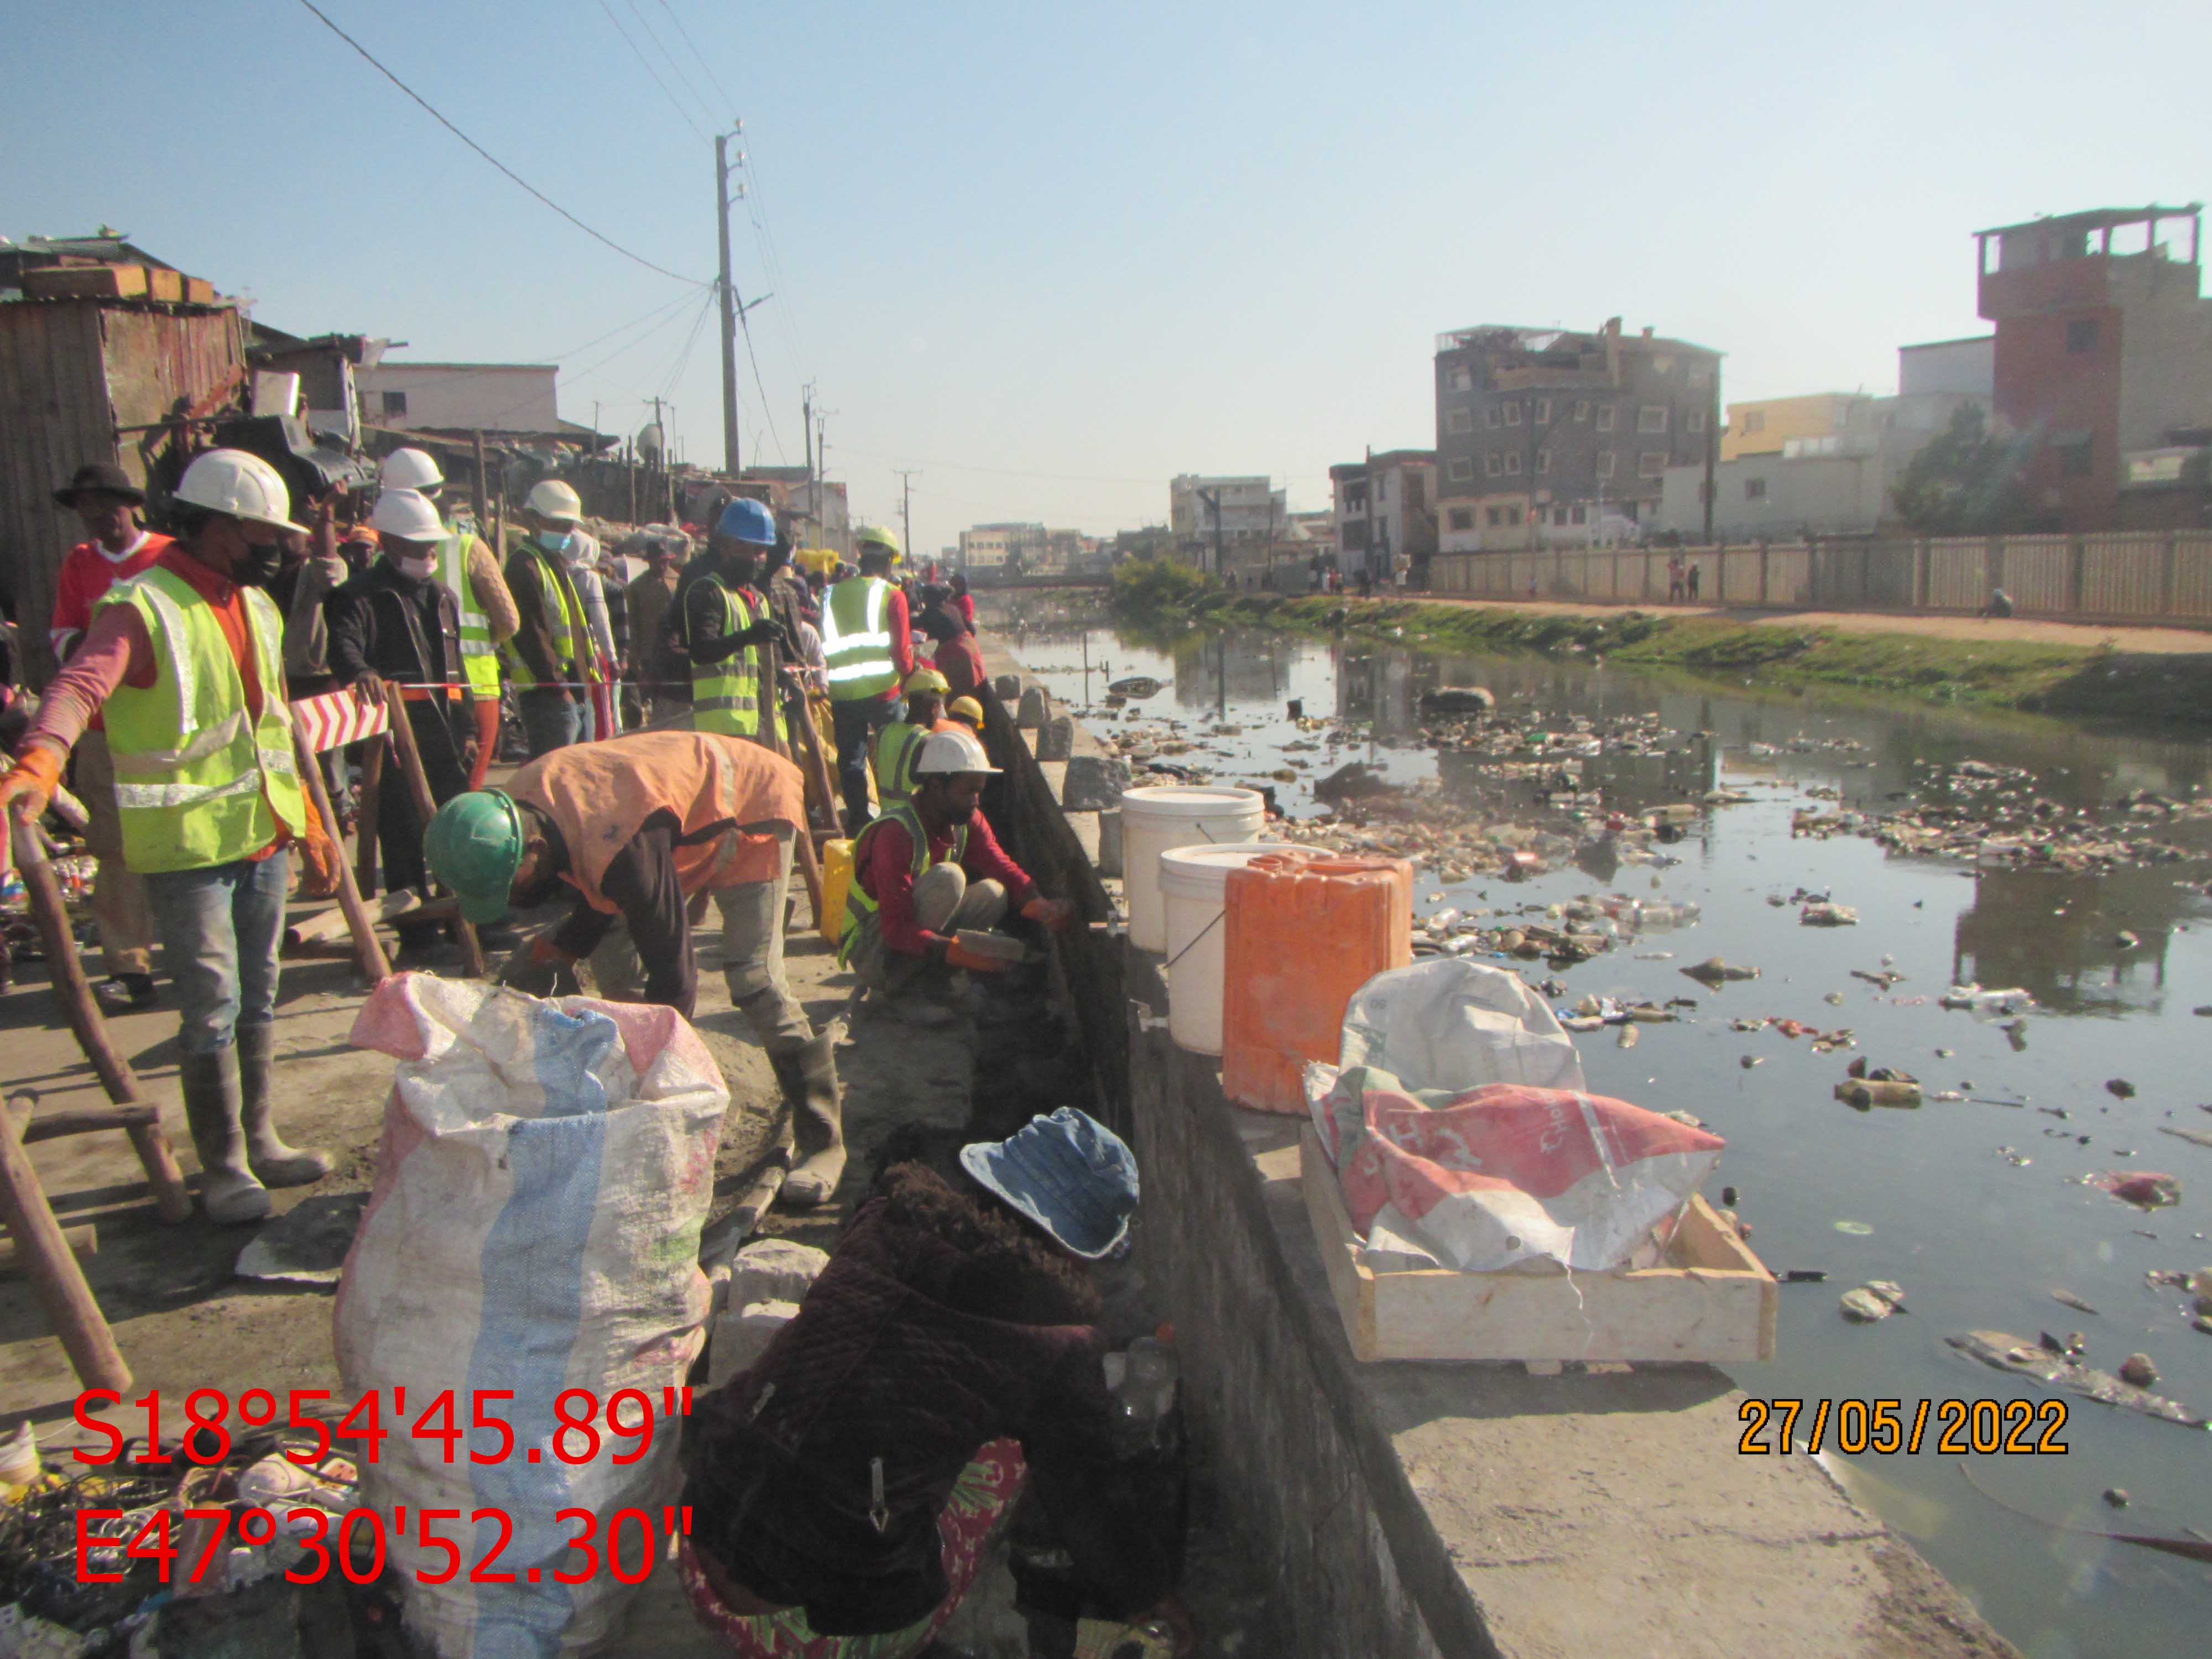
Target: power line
<point>639,52</point>
<point>596,236</point>
<point>714,79</point>
<point>746,322</point>
<point>652,35</point>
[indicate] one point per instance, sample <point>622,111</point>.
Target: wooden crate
<point>1714,1301</point>
<point>86,283</point>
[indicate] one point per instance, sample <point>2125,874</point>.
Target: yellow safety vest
<point>898,750</point>
<point>567,627</point>
<point>725,694</point>
<point>860,904</point>
<point>856,641</point>
<point>196,777</point>
<point>479,656</point>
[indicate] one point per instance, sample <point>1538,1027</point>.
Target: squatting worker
<point>846,1489</point>
<point>967,712</point>
<point>468,570</point>
<point>729,631</point>
<point>115,549</point>
<point>397,622</point>
<point>898,747</point>
<point>867,644</point>
<point>185,662</point>
<point>927,868</point>
<point>639,826</point>
<point>958,657</point>
<point>550,657</point>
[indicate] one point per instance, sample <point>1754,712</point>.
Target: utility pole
<point>1712,448</point>
<point>729,306</point>
<point>906,507</point>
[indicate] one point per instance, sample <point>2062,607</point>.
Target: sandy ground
<point>184,1321</point>
<point>2083,636</point>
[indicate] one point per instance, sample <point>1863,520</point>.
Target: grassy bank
<point>2050,679</point>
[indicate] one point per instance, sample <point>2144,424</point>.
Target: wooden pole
<point>368,950</point>
<point>769,701</point>
<point>171,1201</point>
<point>476,495</point>
<point>367,803</point>
<point>55,1278</point>
<point>425,808</point>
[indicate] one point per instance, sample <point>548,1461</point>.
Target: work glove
<point>1055,915</point>
<point>540,968</point>
<point>957,954</point>
<point>31,781</point>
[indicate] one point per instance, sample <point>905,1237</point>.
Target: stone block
<point>741,1337</point>
<point>1009,688</point>
<point>1035,707</point>
<point>775,1270</point>
<point>1056,739</point>
<point>1095,783</point>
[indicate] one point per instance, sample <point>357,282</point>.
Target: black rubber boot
<point>273,1163</point>
<point>229,1191</point>
<point>809,1076</point>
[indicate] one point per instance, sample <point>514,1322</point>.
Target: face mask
<point>554,541</point>
<point>418,568</point>
<point>264,560</point>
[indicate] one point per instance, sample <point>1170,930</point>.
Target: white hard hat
<point>409,468</point>
<point>554,500</point>
<point>407,513</point>
<point>241,485</point>
<point>953,752</point>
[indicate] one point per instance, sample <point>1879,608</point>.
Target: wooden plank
<point>1714,1302</point>
<point>58,1282</point>
<point>87,282</point>
<point>87,1119</point>
<point>82,1240</point>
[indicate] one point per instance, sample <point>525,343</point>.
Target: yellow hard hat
<point>886,539</point>
<point>926,679</point>
<point>966,708</point>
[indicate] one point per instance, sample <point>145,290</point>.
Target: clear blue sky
<point>1091,246</point>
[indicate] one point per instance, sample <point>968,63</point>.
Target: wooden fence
<point>2117,576</point>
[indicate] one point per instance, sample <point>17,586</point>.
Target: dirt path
<point>2081,635</point>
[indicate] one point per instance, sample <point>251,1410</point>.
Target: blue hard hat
<point>746,521</point>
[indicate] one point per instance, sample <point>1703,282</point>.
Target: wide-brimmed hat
<point>100,478</point>
<point>1068,1173</point>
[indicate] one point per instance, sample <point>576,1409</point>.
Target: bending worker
<point>638,826</point>
<point>927,868</point>
<point>868,644</point>
<point>185,663</point>
<point>469,570</point>
<point>899,745</point>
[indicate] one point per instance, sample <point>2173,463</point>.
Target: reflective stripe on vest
<point>725,694</point>
<point>196,779</point>
<point>855,644</point>
<point>479,656</point>
<point>898,750</point>
<point>566,628</point>
<point>860,904</point>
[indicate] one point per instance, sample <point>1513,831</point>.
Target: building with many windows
<point>1547,435</point>
<point>1219,523</point>
<point>1386,514</point>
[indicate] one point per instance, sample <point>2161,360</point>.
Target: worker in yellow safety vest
<point>184,663</point>
<point>470,569</point>
<point>899,746</point>
<point>552,656</point>
<point>729,632</point>
<point>868,646</point>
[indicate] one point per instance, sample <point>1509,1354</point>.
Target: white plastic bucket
<point>1167,815</point>
<point>1194,891</point>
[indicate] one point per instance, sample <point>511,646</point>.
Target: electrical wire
<point>639,52</point>
<point>714,79</point>
<point>652,35</point>
<point>596,236</point>
<point>746,322</point>
<point>475,371</point>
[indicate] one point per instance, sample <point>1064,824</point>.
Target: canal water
<point>1977,1210</point>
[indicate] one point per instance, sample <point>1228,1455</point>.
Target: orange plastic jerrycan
<point>837,882</point>
<point>1302,936</point>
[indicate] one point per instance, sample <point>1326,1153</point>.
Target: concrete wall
<point>462,397</point>
<point>1968,367</point>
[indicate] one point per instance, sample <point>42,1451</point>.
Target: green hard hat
<point>474,847</point>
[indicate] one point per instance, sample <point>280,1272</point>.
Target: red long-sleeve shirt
<point>901,631</point>
<point>888,876</point>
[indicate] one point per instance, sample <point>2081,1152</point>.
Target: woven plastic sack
<point>543,1177</point>
<point>1505,1177</point>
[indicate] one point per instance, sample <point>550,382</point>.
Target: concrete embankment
<point>2137,675</point>
<point>1405,1509</point>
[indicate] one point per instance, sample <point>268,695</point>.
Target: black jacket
<point>939,1325</point>
<point>406,630</point>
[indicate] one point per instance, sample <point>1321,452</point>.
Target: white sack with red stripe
<point>1505,1175</point>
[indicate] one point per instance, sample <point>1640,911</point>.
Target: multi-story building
<point>1232,518</point>
<point>1769,425</point>
<point>2103,348</point>
<point>490,397</point>
<point>1001,552</point>
<point>1547,435</point>
<point>1966,366</point>
<point>815,509</point>
<point>1386,514</point>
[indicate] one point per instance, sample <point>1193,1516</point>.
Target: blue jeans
<point>549,720</point>
<point>858,720</point>
<point>220,927</point>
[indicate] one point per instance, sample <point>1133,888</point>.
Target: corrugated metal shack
<point>116,377</point>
